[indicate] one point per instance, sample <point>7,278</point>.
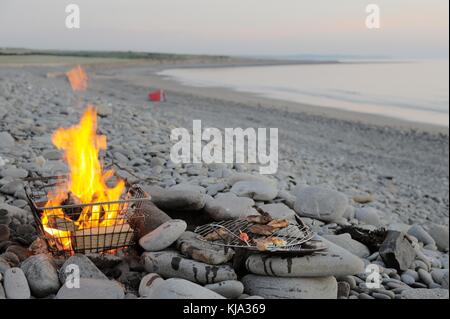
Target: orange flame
<point>78,78</point>
<point>87,181</point>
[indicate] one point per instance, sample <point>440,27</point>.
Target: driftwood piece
<point>93,240</point>
<point>397,251</point>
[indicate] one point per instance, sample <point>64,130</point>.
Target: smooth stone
<point>4,233</point>
<point>425,277</point>
<point>320,203</point>
<point>53,155</point>
<point>148,218</point>
<point>230,289</point>
<point>444,282</point>
<point>400,227</point>
<point>348,279</point>
<point>365,296</point>
<point>176,200</point>
<point>425,294</point>
<point>121,158</point>
<point>148,283</point>
<point>419,264</point>
<point>20,251</point>
<point>397,251</point>
<point>2,292</point>
<point>291,288</point>
<point>278,211</point>
<point>377,295</point>
<point>42,275</point>
<point>16,284</point>
<point>420,285</point>
<point>363,198</point>
<point>336,261</point>
<point>11,258</point>
<point>349,213</point>
<point>91,288</point>
<point>440,234</point>
<point>20,203</point>
<point>244,177</point>
<point>407,279</point>
<point>212,190</point>
<point>229,206</point>
<point>343,289</point>
<point>104,261</point>
<point>203,251</point>
<point>256,190</point>
<point>6,140</point>
<point>5,219</point>
<point>86,268</point>
<point>368,216</point>
<point>412,273</point>
<point>176,288</point>
<point>163,236</point>
<point>12,187</point>
<point>421,234</point>
<point>14,211</point>
<point>345,241</point>
<point>4,265</point>
<point>14,172</point>
<point>171,264</point>
<point>188,187</point>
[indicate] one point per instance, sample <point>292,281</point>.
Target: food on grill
<point>265,244</point>
<point>278,241</point>
<point>259,219</point>
<point>217,234</point>
<point>265,230</point>
<point>244,237</point>
<point>279,223</point>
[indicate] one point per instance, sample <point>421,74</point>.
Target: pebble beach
<point>337,171</point>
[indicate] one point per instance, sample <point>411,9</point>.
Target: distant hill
<point>104,54</point>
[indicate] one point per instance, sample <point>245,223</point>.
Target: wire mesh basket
<point>66,229</point>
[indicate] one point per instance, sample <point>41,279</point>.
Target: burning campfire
<point>88,210</point>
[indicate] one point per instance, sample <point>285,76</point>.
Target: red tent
<point>157,96</point>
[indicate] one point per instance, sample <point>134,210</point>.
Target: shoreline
<point>151,78</point>
<point>257,100</point>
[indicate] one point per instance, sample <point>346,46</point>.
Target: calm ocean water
<point>413,91</point>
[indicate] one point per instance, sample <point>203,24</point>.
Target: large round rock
<point>42,275</point>
<point>90,288</point>
<point>163,236</point>
<point>16,284</point>
<point>320,203</point>
<point>291,288</point>
<point>255,189</point>
<point>337,262</point>
<point>175,288</point>
<point>171,264</point>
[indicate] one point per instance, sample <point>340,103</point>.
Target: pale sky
<point>409,28</point>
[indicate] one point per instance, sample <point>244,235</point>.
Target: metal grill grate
<point>298,238</point>
<point>64,232</point>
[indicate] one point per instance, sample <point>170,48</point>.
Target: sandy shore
<point>404,165</point>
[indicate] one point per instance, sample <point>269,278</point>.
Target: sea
<point>416,91</point>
